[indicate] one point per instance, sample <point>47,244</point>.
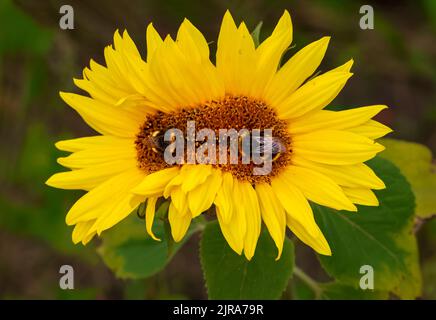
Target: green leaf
<point>381,237</point>
<point>230,276</point>
<point>300,290</point>
<point>338,291</point>
<point>130,253</point>
<point>256,34</point>
<point>428,261</point>
<point>415,162</point>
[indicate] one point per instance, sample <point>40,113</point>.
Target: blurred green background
<point>395,64</point>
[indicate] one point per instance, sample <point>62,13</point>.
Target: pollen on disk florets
<point>232,112</point>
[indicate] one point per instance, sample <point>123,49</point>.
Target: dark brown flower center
<point>230,113</point>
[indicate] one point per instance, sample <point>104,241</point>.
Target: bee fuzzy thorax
<point>237,134</point>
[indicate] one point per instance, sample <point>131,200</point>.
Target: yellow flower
<point>132,100</point>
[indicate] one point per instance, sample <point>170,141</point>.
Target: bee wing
<point>262,144</point>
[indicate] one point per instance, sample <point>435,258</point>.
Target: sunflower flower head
<point>138,105</point>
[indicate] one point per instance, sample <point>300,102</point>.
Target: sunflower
<point>132,99</point>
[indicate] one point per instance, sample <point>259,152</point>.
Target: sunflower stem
<point>312,284</point>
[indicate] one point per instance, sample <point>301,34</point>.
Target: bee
<point>268,145</point>
<point>262,146</point>
<point>158,143</point>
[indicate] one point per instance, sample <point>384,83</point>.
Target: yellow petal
<point>334,120</point>
<point>95,91</point>
<point>79,144</point>
<point>363,196</point>
<point>202,197</point>
<point>335,147</point>
<point>175,182</point>
<point>313,95</point>
<point>371,129</point>
<point>234,231</point>
<point>224,198</point>
<point>81,230</point>
<point>179,199</point>
<point>118,67</point>
<point>317,242</point>
<point>104,79</point>
<point>155,93</point>
<point>346,67</point>
<point>99,155</point>
<point>137,105</point>
<point>295,71</point>
<point>149,216</point>
<point>319,188</point>
<point>168,70</point>
<point>129,61</point>
<point>128,45</point>
<point>105,119</point>
<point>178,80</point>
<point>103,84</point>
<point>99,202</point>
<point>124,205</point>
<point>250,203</point>
<point>125,63</point>
<point>153,41</point>
<point>299,215</point>
<point>195,175</point>
<point>160,78</point>
<point>179,222</point>
<point>354,175</point>
<point>269,53</point>
<point>115,64</point>
<point>90,177</point>
<point>189,177</point>
<point>246,64</point>
<point>235,56</point>
<point>88,237</point>
<point>227,45</point>
<point>192,42</point>
<point>155,183</point>
<point>273,215</point>
<point>294,203</point>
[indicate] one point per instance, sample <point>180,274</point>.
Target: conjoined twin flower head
<point>134,100</point>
